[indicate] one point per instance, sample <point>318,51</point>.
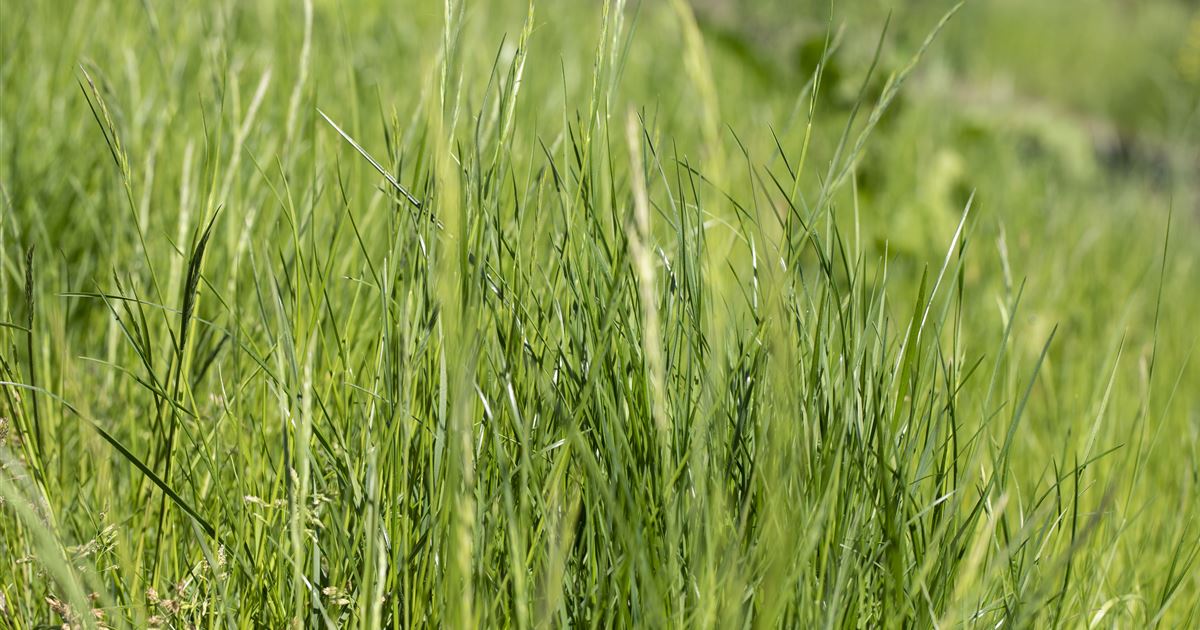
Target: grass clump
<point>501,316</point>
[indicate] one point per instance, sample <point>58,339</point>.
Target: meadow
<point>599,313</point>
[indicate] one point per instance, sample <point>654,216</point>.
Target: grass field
<point>599,314</point>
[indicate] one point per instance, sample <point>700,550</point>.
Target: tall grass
<point>318,315</point>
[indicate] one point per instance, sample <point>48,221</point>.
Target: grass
<point>596,314</point>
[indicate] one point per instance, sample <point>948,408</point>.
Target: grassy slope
<point>618,364</point>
